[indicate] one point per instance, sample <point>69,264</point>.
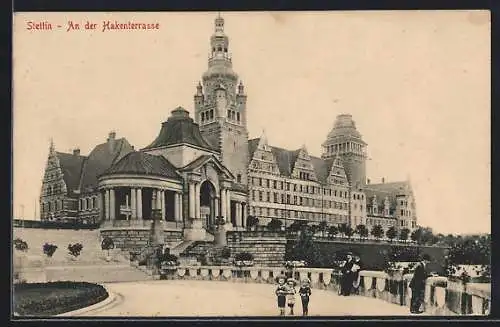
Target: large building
<point>205,167</point>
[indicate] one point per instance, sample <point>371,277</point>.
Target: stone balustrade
<point>442,297</point>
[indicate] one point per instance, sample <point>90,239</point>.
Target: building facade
<point>205,167</point>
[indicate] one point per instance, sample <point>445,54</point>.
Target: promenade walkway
<point>200,298</point>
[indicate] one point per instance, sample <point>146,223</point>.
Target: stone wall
<point>268,248</point>
<point>137,239</point>
<point>373,254</point>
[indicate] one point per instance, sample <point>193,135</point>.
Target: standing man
<point>417,284</point>
<point>347,276</point>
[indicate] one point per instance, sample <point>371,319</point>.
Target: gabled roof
<point>203,159</point>
<point>71,166</point>
<point>179,129</point>
<point>391,190</point>
<point>321,167</point>
<point>283,159</point>
<point>101,158</point>
<point>252,146</point>
<point>141,163</point>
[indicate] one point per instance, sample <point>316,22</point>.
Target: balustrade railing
<point>442,297</point>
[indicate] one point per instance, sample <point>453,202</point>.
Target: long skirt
<point>281,301</point>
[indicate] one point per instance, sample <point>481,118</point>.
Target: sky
<point>417,84</point>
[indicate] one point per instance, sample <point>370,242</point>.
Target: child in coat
<point>305,293</point>
<point>281,292</point>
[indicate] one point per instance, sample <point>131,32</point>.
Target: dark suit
<point>417,285</point>
<point>347,278</point>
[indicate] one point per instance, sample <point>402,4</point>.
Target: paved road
<point>199,298</point>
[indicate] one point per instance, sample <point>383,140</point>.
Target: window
<point>260,195</point>
<point>268,196</point>
<point>202,116</point>
<point>238,116</point>
<point>260,181</point>
<point>212,114</point>
<point>275,197</point>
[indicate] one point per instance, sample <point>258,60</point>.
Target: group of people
<point>286,294</point>
<point>286,291</point>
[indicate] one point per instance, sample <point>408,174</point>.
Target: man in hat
<point>347,273</point>
<point>417,284</point>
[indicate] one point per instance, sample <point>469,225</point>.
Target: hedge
<point>53,298</point>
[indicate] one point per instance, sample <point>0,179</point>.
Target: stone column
<point>228,206</point>
<point>244,209</point>
<point>106,204</point>
<point>100,205</point>
<point>192,204</point>
<point>176,206</point>
<point>139,204</point>
<point>112,204</point>
<point>239,214</point>
<point>216,207</point>
<point>180,212</point>
<point>223,204</point>
<point>133,204</point>
<point>197,200</point>
<point>162,199</point>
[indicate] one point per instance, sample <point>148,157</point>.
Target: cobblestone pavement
<point>201,298</point>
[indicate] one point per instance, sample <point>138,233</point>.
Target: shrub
<point>252,221</point>
<point>244,256</point>
<point>75,249</point>
<point>226,253</point>
<point>42,299</point>
<point>275,224</point>
<point>49,249</point>
<point>107,244</point>
<point>20,245</point>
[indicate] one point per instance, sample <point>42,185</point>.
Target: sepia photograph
<point>232,164</point>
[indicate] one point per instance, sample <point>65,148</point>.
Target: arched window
<point>202,116</point>
<point>87,204</point>
<point>94,200</point>
<point>238,116</point>
<point>238,178</point>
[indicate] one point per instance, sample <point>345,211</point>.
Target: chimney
<point>383,180</point>
<point>111,136</point>
<point>367,181</point>
<point>76,152</point>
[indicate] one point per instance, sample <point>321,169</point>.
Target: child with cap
<point>281,292</point>
<point>305,292</point>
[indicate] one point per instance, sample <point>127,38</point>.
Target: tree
<point>275,224</point>
<point>75,249</point>
<point>377,231</point>
<point>313,228</point>
<point>332,231</point>
<point>342,229</point>
<point>49,249</point>
<point>322,226</point>
<point>307,250</point>
<point>252,221</point>
<point>403,234</point>
<point>349,231</point>
<point>391,233</point>
<point>361,230</point>
<point>296,226</point>
<point>416,235</point>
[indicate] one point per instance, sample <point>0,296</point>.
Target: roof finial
<point>52,147</point>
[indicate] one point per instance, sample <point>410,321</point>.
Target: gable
<point>303,165</point>
<point>337,174</point>
<point>200,164</point>
<point>263,159</point>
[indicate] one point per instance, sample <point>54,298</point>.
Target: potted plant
<point>168,264</point>
<point>20,245</point>
<point>106,245</point>
<point>243,259</point>
<point>252,222</point>
<point>74,250</point>
<point>49,250</point>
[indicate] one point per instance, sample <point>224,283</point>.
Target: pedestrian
<point>281,292</point>
<point>305,293</point>
<point>346,284</point>
<point>417,284</point>
<point>291,294</point>
<point>355,273</point>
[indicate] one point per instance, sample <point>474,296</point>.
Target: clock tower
<point>220,106</point>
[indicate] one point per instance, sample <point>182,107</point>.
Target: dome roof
<point>220,70</point>
<point>143,164</point>
<point>178,129</point>
<point>344,126</point>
